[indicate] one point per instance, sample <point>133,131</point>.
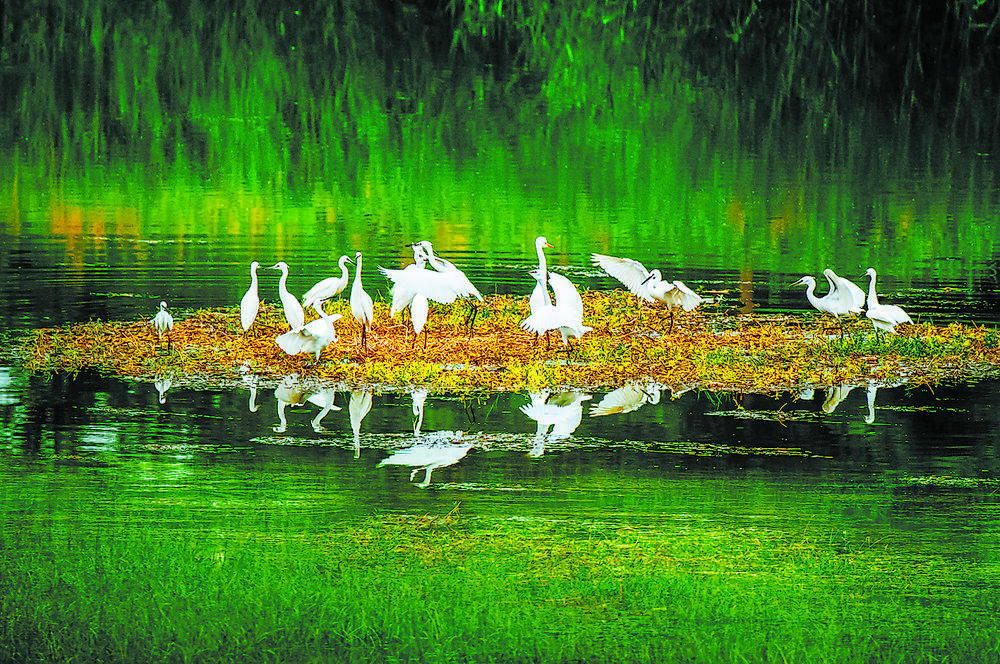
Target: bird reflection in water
<point>324,399</point>
<point>162,384</point>
<point>558,415</point>
<point>358,407</point>
<point>419,398</point>
<point>290,392</point>
<point>627,399</point>
<point>250,380</point>
<point>834,395</point>
<point>441,450</point>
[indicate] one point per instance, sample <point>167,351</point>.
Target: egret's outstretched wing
<point>631,273</point>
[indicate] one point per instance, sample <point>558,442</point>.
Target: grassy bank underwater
<point>704,350</point>
<point>443,588</point>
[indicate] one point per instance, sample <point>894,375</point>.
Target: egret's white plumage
<point>250,304</point>
<point>852,295</point>
<point>324,399</point>
<point>163,323</point>
<point>649,285</point>
<point>541,289</point>
<point>459,282</point>
<point>312,337</point>
<point>361,302</point>
<point>566,315</point>
<point>832,303</point>
<point>883,316</point>
<point>329,287</point>
<point>295,315</point>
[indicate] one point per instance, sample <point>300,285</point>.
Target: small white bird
<point>361,303</point>
<point>313,337</point>
<point>329,287</point>
<point>163,323</point>
<point>649,286</point>
<point>566,315</point>
<point>295,315</point>
<point>883,316</point>
<point>250,304</point>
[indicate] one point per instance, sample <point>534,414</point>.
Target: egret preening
<point>295,315</point>
<point>163,323</point>
<point>250,304</point>
<point>312,337</point>
<point>883,316</point>
<point>456,278</point>
<point>327,288</point>
<point>361,303</point>
<point>838,302</point>
<point>566,315</point>
<point>649,286</point>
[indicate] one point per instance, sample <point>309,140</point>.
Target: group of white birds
<point>847,299</point>
<point>415,286</point>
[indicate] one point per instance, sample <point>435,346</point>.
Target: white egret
<point>854,297</point>
<point>871,393</point>
<point>566,315</point>
<point>883,316</point>
<point>295,315</point>
<point>163,323</point>
<point>649,286</point>
<point>250,380</point>
<point>834,303</point>
<point>361,302</point>
<point>415,287</point>
<point>456,278</point>
<point>327,288</point>
<point>626,399</point>
<point>541,289</point>
<point>312,337</point>
<point>250,304</point>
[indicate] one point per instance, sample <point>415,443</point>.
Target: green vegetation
<point>705,350</point>
<point>444,588</point>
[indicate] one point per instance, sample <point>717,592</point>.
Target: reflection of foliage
<point>706,350</point>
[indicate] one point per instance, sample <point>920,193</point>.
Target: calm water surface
<point>908,462</point>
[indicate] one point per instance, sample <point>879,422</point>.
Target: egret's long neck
<point>542,269</point>
<point>872,296</point>
<point>343,270</point>
<point>253,278</point>
<point>811,294</point>
<point>357,276</point>
<point>283,281</point>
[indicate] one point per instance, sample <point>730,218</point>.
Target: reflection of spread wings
<point>625,400</point>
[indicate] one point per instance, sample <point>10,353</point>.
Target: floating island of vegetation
<point>705,349</point>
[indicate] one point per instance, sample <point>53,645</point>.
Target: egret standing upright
<point>327,288</point>
<point>250,304</point>
<point>163,323</point>
<point>294,314</point>
<point>361,303</point>
<point>883,316</point>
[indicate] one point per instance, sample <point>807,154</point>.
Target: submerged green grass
<point>444,588</point>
